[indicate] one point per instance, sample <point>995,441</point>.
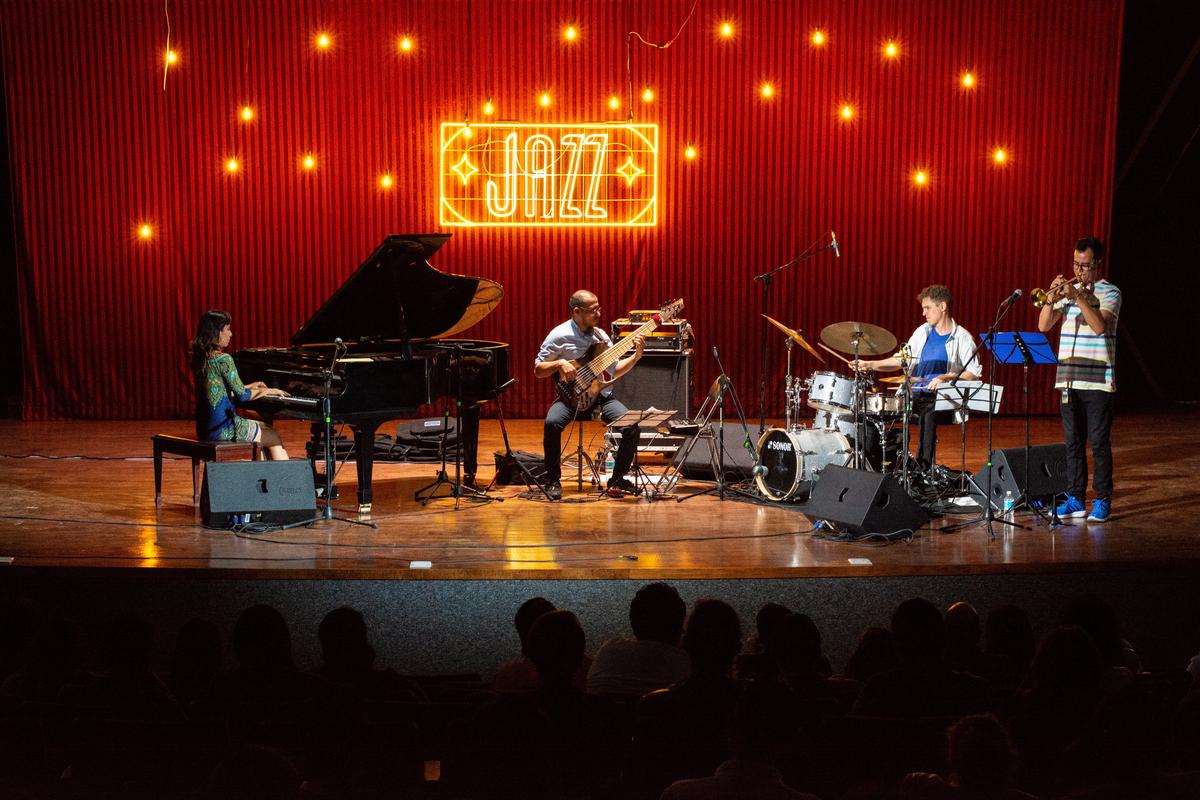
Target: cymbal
<point>872,339</point>
<point>795,336</point>
<point>892,379</point>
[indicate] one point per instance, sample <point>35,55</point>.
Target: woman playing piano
<point>218,388</point>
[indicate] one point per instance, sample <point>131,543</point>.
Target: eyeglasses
<point>1085,264</point>
<point>589,309</point>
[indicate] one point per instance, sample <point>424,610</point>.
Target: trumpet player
<point>1087,307</point>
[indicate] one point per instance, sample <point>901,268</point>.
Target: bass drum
<point>792,459</point>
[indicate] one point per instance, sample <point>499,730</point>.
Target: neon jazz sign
<point>533,175</point>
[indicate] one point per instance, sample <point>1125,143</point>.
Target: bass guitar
<point>581,391</point>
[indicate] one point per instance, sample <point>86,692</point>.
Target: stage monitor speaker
<point>863,502</point>
<point>662,380</point>
<point>276,492</point>
<point>1047,472</point>
<point>739,462</point>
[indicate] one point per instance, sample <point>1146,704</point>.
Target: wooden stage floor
<point>81,495</point>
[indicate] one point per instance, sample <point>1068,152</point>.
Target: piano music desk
<point>198,451</point>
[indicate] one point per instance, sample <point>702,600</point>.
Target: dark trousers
<point>1087,416</point>
<point>561,415</point>
<point>927,421</point>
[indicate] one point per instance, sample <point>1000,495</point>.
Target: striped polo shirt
<point>1086,358</point>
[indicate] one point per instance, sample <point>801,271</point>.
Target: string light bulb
<point>309,161</point>
<point>690,153</point>
<point>846,112</point>
<point>818,38</point>
<point>614,102</point>
<point>247,114</point>
<point>891,49</point>
<point>920,178</point>
<point>999,156</point>
<point>767,91</point>
<point>385,181</point>
<point>726,29</point>
<point>406,44</point>
<point>172,57</point>
<point>232,165</point>
<point>488,107</point>
<point>323,41</point>
<point>570,34</point>
<point>144,231</point>
<point>967,80</point>
<point>647,95</point>
<point>544,100</point>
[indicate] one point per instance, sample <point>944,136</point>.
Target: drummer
<point>935,353</point>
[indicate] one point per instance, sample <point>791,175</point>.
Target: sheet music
<point>974,395</point>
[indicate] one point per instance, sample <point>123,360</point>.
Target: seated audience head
<point>657,613</point>
<point>875,652</point>
<point>255,772</point>
<point>261,640</point>
<point>344,645</point>
<point>1068,664</point>
<point>528,614</point>
<point>128,645</point>
<point>797,644</point>
<point>766,622</point>
<point>555,646</point>
<point>919,631</point>
<point>962,625</point>
<point>713,637</point>
<point>1099,620</point>
<point>1009,633</point>
<point>980,754</point>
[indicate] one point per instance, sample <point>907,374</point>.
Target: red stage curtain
<point>98,146</point>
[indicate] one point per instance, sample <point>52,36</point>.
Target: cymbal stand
<point>765,280</point>
<point>717,451</point>
<point>906,406</point>
<point>860,409</point>
<point>986,516</point>
<point>789,392</point>
<point>457,490</point>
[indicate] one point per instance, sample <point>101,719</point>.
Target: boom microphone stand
<point>765,280</point>
<point>987,516</point>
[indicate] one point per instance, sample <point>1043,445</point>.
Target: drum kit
<point>855,425</point>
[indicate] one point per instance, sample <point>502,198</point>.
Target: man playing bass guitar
<point>564,356</point>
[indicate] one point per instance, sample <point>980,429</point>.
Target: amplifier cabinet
<point>662,380</point>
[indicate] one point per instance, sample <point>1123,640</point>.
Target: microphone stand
<point>987,516</point>
<point>766,280</point>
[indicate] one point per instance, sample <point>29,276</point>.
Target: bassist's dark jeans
<point>560,416</point>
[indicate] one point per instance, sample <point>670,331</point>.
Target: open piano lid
<point>396,294</point>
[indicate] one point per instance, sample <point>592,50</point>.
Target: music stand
<point>1026,348</point>
<point>656,419</point>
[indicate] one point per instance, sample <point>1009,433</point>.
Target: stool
<point>197,451</point>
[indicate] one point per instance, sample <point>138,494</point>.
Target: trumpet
<point>1045,297</point>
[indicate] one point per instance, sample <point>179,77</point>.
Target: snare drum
<point>794,457</point>
<point>884,405</point>
<point>828,391</point>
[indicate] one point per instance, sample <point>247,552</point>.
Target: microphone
<point>1014,297</point>
<point>760,470</point>
<point>837,251</point>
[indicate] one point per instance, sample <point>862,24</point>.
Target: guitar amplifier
<point>674,336</point>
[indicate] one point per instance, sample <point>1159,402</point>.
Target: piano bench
<point>198,451</point>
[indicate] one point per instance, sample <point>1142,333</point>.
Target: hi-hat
<point>795,336</point>
<point>872,339</point>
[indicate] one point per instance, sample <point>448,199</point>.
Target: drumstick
<point>835,353</point>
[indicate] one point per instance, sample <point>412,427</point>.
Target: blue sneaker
<point>1071,507</point>
<point>1101,510</point>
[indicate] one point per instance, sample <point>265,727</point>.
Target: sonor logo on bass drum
<point>784,446</point>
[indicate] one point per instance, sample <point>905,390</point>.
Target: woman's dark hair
<point>208,334</point>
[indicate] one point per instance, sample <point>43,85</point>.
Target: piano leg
<point>364,460</point>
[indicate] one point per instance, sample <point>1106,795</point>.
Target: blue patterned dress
<point>218,390</point>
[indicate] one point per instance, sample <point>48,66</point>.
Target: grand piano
<point>391,320</point>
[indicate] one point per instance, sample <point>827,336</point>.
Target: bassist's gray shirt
<point>567,342</point>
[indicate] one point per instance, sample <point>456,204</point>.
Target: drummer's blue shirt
<point>933,355</point>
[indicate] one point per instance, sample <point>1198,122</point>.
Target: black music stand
<point>457,489</point>
<point>656,419</point>
<point>1026,348</point>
